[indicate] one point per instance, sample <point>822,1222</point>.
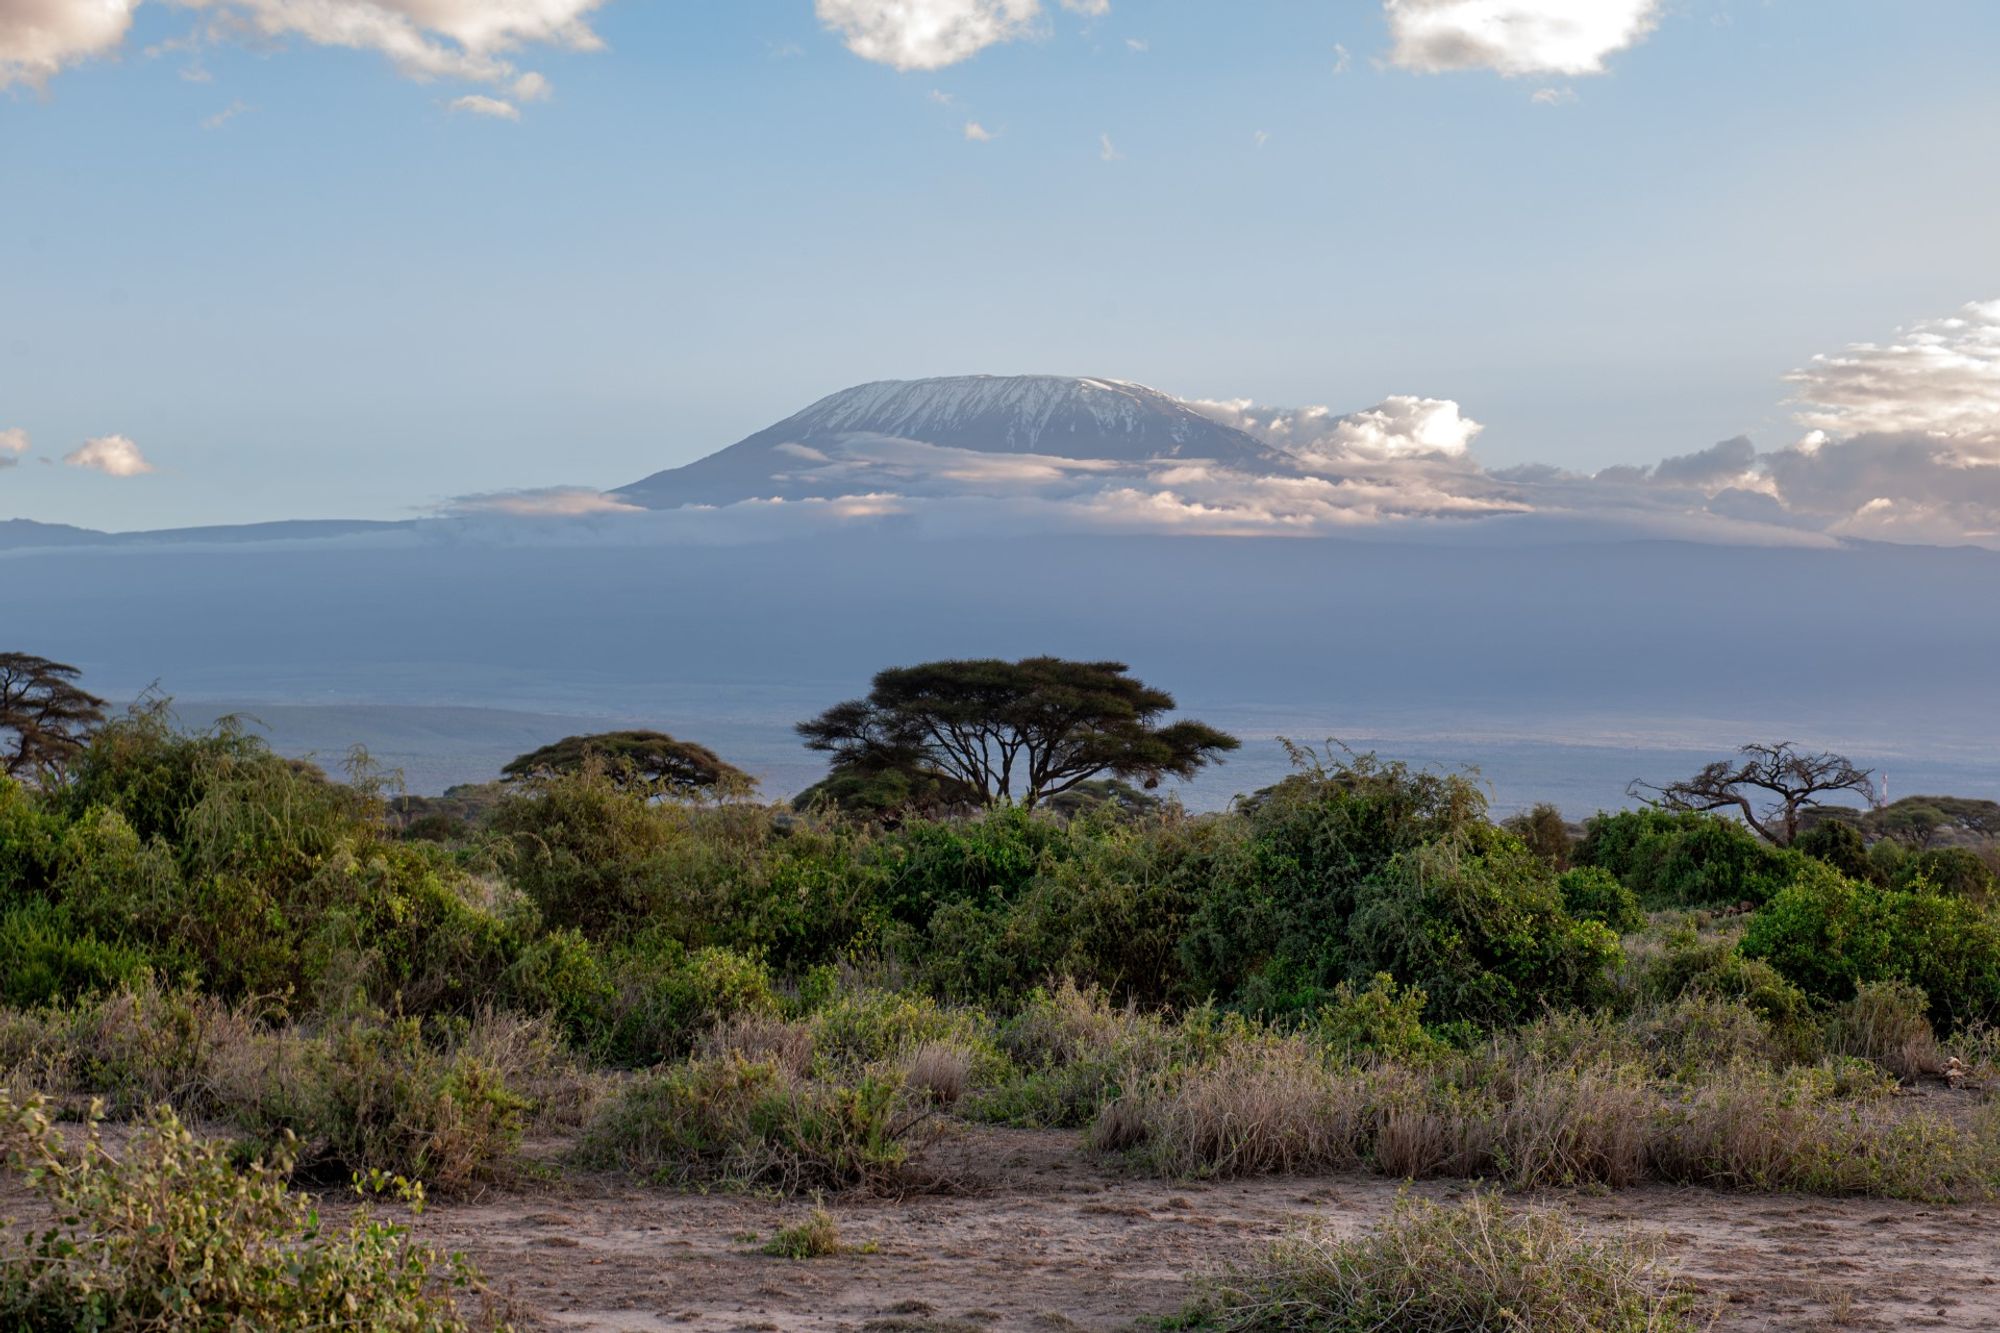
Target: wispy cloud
<point>977,133</point>
<point>1342,61</point>
<point>113,455</point>
<point>1106,150</point>
<point>1138,45</point>
<point>1552,96</point>
<point>1516,37</point>
<point>13,446</point>
<point>478,104</point>
<point>224,116</point>
<point>545,502</point>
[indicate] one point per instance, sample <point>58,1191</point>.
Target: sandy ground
<point>1041,1237</point>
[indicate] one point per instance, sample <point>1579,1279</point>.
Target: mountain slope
<point>861,438</point>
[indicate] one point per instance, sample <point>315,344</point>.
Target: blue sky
<point>344,298</point>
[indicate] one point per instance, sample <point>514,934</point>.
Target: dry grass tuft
<point>1464,1268</point>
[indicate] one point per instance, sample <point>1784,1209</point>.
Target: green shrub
<point>172,1233</point>
<point>1838,842</point>
<point>1592,893</point>
<point>1714,969</point>
<point>589,854</point>
<point>1271,928</point>
<point>1449,1268</point>
<point>1479,925</point>
<point>1382,1019</point>
<point>1829,934</point>
<point>46,959</point>
<point>376,1094</point>
<point>1956,871</point>
<point>816,1237</point>
<point>1684,859</point>
<point>28,839</point>
<point>735,1122</point>
<point>1886,1022</point>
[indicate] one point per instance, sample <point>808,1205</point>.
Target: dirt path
<point>1042,1238</point>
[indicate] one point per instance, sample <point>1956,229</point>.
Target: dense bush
<point>740,1122</point>
<point>1829,934</point>
<point>1957,871</point>
<point>1591,893</point>
<point>1684,859</point>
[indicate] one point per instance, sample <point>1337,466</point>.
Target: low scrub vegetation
<point>1460,1268</point>
<point>1355,968</point>
<point>172,1233</point>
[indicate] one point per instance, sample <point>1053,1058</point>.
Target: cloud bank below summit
<point>1901,443</point>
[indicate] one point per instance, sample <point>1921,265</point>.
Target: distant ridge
<point>812,453</point>
<point>20,534</point>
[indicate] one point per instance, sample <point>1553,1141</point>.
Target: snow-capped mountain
<point>966,433</point>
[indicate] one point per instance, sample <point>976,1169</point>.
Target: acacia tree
<point>647,761</point>
<point>45,716</point>
<point>993,731</point>
<point>1769,785</point>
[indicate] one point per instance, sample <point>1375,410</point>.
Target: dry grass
<point>1531,1114</point>
<point>1465,1268</point>
<point>1886,1023</point>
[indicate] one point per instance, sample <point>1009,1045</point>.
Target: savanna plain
<point>611,1043</point>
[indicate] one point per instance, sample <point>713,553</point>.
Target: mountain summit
<point>895,434</point>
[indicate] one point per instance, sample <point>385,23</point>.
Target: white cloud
<point>113,455</point>
<point>547,502</point>
<point>467,40</point>
<point>1398,427</point>
<point>39,38</point>
<point>224,116</point>
<point>1939,377</point>
<point>1095,9</point>
<point>977,133</point>
<point>926,34</point>
<point>13,445</point>
<point>478,104</point>
<point>1138,45</point>
<point>1342,60</point>
<point>1261,137</point>
<point>1516,37</point>
<point>1553,96</point>
<point>1106,150</point>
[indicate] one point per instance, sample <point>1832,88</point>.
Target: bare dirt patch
<point>1039,1236</point>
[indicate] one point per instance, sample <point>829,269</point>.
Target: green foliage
<point>1381,1019</point>
<point>376,1095</point>
<point>1956,871</point>
<point>1838,842</point>
<point>1481,928</point>
<point>1591,893</point>
<point>1828,934</point>
<point>172,1233</point>
<point>46,959</point>
<point>816,1237</point>
<point>1449,1268</point>
<point>650,763</point>
<point>590,854</point>
<point>1693,967</point>
<point>1684,859</point>
<point>28,838</point>
<point>1545,832</point>
<point>743,1123</point>
<point>972,733</point>
<point>1274,933</point>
